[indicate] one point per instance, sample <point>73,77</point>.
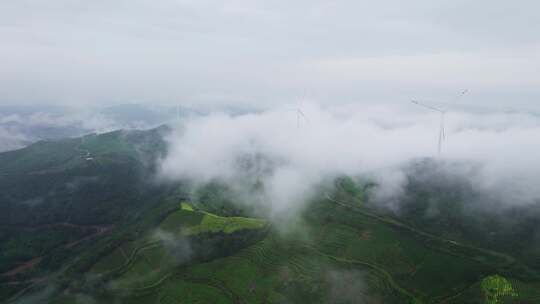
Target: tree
<point>495,287</point>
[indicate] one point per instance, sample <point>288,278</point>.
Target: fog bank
<point>292,158</point>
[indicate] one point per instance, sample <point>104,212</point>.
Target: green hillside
<point>57,197</point>
<point>83,221</point>
<point>341,246</point>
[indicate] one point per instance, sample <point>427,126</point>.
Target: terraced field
<point>343,255</point>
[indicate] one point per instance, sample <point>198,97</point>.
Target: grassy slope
<point>148,260</point>
<point>52,196</point>
<point>211,223</point>
<point>388,263</point>
<point>341,244</point>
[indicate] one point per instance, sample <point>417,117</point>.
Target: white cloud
<point>355,139</point>
<point>11,139</point>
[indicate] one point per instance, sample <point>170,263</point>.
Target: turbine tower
<point>442,111</point>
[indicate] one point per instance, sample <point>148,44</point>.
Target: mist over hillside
<point>224,187</point>
<point>24,124</point>
<point>235,152</point>
<point>21,125</point>
<point>496,152</point>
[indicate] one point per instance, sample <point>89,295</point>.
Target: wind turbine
<point>442,111</point>
<point>300,114</point>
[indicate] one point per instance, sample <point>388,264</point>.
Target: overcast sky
<point>251,52</point>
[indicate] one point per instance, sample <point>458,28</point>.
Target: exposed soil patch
<point>100,230</point>
<point>365,235</point>
<point>23,267</point>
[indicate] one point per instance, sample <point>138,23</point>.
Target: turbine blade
<point>303,115</point>
<point>427,106</point>
<point>461,94</point>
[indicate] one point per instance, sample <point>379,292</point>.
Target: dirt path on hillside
<point>23,267</point>
<point>99,230</point>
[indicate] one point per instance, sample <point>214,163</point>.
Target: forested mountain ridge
<point>86,220</point>
<point>58,196</point>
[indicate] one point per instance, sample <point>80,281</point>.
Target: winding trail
<point>23,267</point>
<point>99,230</point>
<point>372,266</point>
<point>509,259</point>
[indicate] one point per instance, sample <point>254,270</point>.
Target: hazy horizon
<point>263,54</point>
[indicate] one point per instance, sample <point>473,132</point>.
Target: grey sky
<point>266,52</point>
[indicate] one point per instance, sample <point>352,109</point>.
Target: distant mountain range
<point>22,125</point>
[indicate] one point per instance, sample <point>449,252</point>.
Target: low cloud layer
<point>22,125</point>
<point>347,287</point>
<point>375,141</point>
<point>11,139</point>
<point>177,246</point>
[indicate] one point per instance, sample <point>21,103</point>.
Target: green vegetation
<point>22,245</point>
<point>98,231</point>
<point>71,199</point>
<point>448,206</point>
<point>369,257</point>
<point>149,260</point>
<point>495,288</point>
<point>213,223</point>
<point>186,206</point>
<point>192,222</point>
<point>181,219</point>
